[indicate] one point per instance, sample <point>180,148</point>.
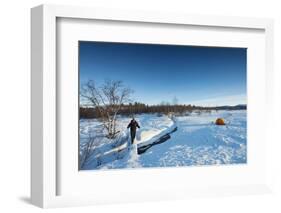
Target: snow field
<point>197,141</point>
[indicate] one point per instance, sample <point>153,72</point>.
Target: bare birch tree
<point>108,100</point>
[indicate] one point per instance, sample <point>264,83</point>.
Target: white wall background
<point>15,103</point>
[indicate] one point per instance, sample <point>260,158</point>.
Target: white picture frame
<point>45,178</point>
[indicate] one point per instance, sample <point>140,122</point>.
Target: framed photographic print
<point>149,106</point>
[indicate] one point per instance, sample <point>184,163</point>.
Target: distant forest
<point>138,108</point>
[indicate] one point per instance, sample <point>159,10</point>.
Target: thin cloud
<point>231,100</point>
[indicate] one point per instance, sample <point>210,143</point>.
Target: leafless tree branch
<point>107,99</point>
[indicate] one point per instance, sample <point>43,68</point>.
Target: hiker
<point>133,128</point>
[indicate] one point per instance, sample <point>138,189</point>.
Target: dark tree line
<point>138,108</point>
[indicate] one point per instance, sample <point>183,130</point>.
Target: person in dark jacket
<point>133,128</point>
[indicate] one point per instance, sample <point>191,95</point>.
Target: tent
<point>220,121</point>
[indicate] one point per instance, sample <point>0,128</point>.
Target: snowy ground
<point>197,141</point>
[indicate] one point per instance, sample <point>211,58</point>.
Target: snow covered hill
<point>189,140</point>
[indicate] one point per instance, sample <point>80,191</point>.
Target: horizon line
<point>193,105</point>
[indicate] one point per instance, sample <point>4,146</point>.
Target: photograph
<point>161,105</point>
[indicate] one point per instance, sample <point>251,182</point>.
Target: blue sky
<point>207,76</point>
